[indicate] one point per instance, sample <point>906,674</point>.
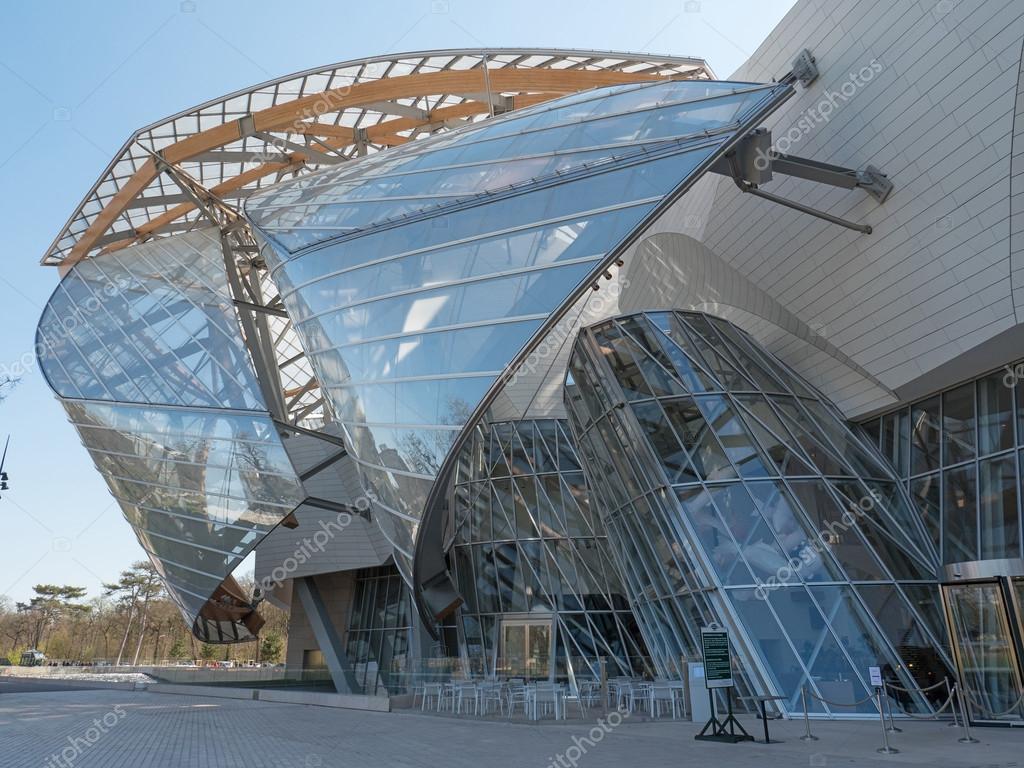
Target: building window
<point>962,469</point>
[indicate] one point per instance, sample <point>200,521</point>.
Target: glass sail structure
<point>144,350</point>
<point>414,276</point>
<point>733,492</point>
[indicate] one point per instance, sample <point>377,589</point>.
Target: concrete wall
<point>338,592</point>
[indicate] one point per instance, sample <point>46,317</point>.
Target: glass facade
<point>379,630</point>
<point>144,350</point>
<point>959,454</point>
<point>529,554</point>
<point>415,275</point>
<point>733,492</point>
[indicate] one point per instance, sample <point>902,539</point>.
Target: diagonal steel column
<point>326,635</point>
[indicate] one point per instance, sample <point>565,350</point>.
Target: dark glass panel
<point>706,454</point>
<point>958,425</point>
<point>834,677</point>
<point>995,414</point>
<point>926,494</point>
<point>997,503</point>
<point>959,515</point>
<point>906,634</point>
<point>734,437</point>
<point>672,455</point>
<point>925,436</point>
<point>837,529</point>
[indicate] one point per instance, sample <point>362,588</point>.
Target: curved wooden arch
<point>299,115</point>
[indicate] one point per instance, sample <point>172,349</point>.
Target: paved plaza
<point>115,729</point>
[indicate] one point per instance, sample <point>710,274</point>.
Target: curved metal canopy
<point>250,139</point>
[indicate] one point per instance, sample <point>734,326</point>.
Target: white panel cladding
<point>935,111</point>
<point>1017,201</point>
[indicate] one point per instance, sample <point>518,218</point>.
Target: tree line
<point>131,622</point>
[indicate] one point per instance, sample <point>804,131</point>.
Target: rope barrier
<point>955,696</point>
<point>916,690</point>
<point>823,700</point>
<point>988,711</point>
<point>934,715</point>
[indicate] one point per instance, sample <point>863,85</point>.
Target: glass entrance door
<point>986,649</point>
<point>525,649</point>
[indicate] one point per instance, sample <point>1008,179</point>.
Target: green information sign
<point>717,657</point>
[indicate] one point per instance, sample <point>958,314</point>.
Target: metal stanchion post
<point>885,749</point>
<point>966,738</point>
<point>603,667</point>
<point>808,736</point>
<point>888,706</point>
<point>956,717</point>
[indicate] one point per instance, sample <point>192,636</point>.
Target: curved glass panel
<point>776,509</point>
<point>144,350</point>
<point>149,325</point>
<point>414,276</point>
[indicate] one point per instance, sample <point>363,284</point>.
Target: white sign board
<point>875,673</point>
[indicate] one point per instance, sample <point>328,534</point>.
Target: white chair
<point>465,694</point>
<point>491,693</point>
<point>430,691</point>
<point>661,694</point>
<point>546,697</point>
<point>516,695</point>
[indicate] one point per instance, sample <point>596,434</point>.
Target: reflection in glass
<point>526,541</point>
<point>779,509</point>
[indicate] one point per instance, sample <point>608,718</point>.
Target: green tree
<point>179,650</point>
<point>271,647</point>
<point>207,651</point>
<point>133,592</point>
<point>51,603</point>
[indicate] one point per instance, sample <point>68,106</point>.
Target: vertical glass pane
<point>995,414</point>
<point>959,515</point>
<point>895,439</point>
<point>926,494</point>
<point>958,441</point>
<point>997,503</point>
<point>925,436</point>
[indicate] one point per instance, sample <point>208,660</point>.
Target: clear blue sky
<point>115,66</point>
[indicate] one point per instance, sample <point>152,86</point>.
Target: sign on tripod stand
<point>714,643</point>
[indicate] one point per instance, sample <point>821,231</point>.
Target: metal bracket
<point>753,163</point>
<point>874,182</point>
<point>805,68</point>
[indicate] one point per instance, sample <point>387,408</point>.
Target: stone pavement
<point>128,729</point>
